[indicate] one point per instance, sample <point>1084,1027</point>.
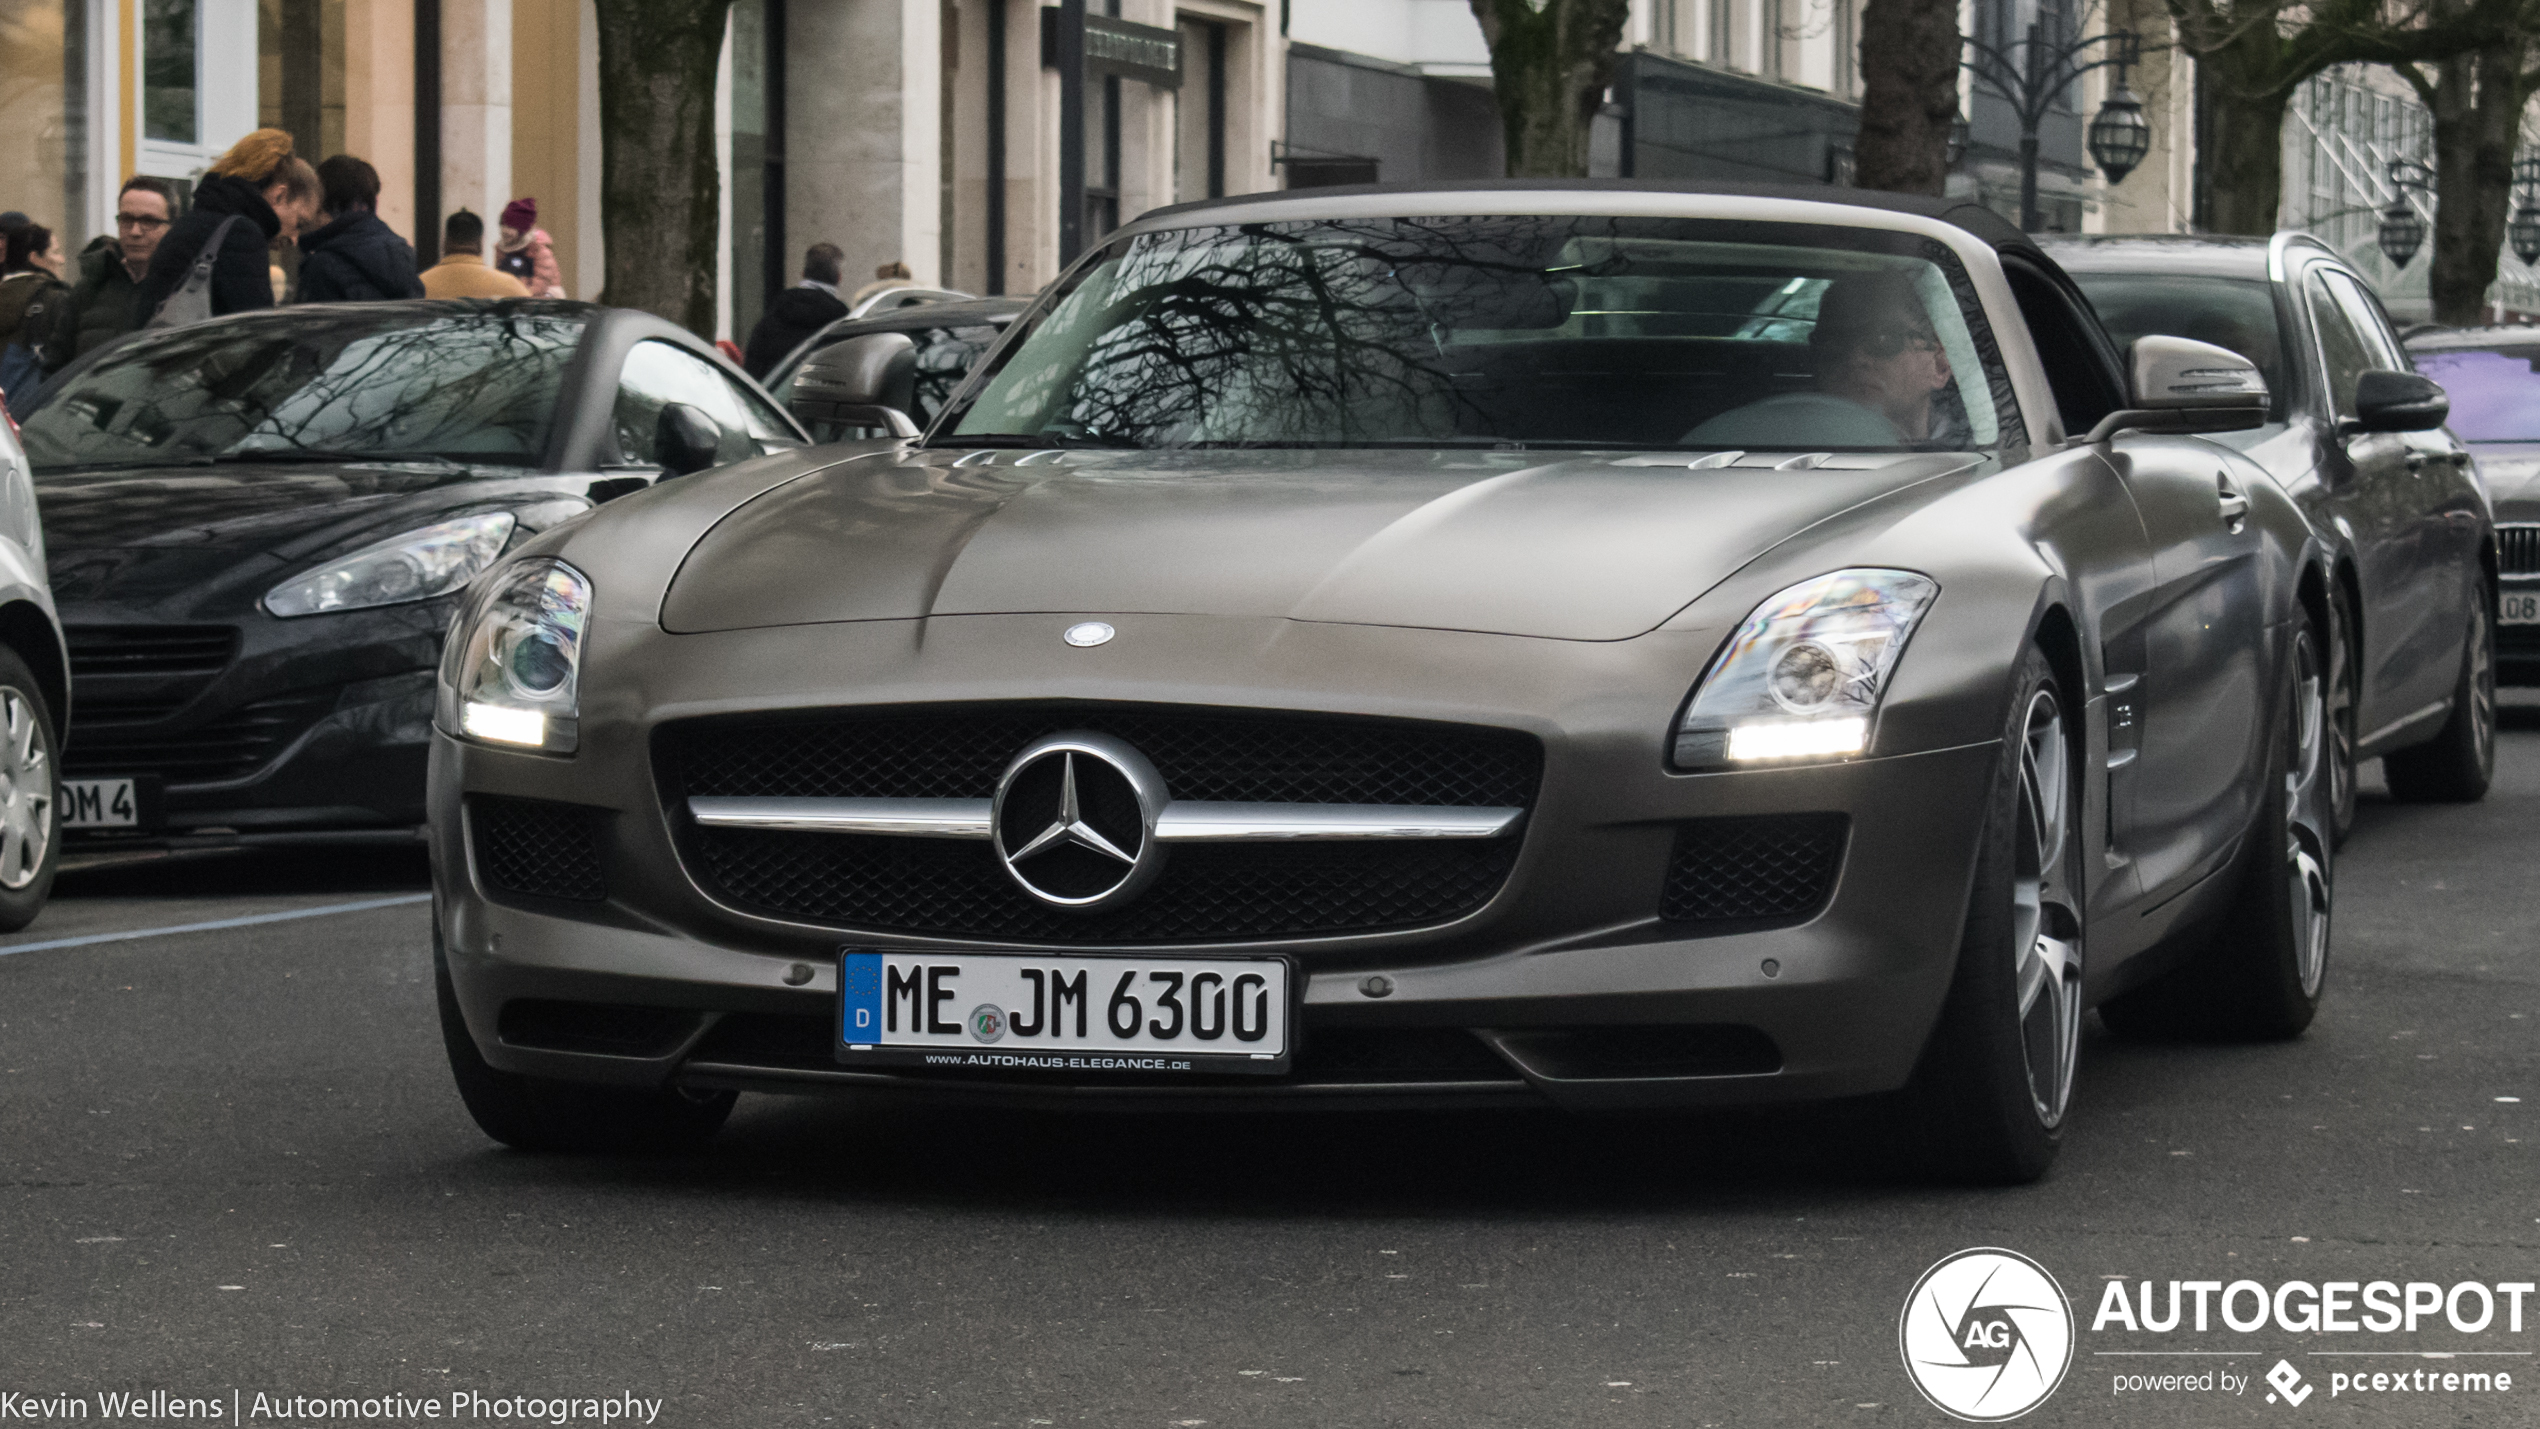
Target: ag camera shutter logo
<point>1986,1335</point>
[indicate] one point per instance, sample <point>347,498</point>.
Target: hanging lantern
<point>2119,134</point>
<point>2524,231</point>
<point>1958,132</point>
<point>2402,233</point>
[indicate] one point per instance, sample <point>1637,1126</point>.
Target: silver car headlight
<point>1802,678</point>
<point>514,666</point>
<point>417,565</point>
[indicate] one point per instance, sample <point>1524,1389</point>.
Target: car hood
<point>1586,548</point>
<point>138,535</point>
<point>2512,473</point>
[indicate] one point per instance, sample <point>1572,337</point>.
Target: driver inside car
<point>1881,376</point>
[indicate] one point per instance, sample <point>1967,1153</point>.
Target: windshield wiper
<point>290,455</point>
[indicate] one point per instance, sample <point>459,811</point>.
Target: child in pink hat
<point>526,252</point>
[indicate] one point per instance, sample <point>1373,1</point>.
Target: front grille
<point>232,746</point>
<point>1207,892</point>
<point>2518,550</point>
<point>535,848</point>
<point>1359,1055</point>
<point>1752,870</point>
<point>134,674</point>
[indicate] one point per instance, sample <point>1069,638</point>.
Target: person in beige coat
<point>462,271</point>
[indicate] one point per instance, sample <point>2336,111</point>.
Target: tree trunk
<point>2245,166</point>
<point>1909,94</point>
<point>2477,105</point>
<point>1550,66</point>
<point>659,192</point>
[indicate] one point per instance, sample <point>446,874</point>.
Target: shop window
<point>170,63</point>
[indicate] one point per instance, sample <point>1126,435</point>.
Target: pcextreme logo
<point>1986,1335</point>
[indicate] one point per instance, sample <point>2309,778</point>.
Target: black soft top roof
<point>2002,234</point>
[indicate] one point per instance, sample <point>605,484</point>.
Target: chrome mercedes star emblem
<point>1074,821</point>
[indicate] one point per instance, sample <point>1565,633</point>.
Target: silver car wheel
<point>26,792</point>
<point>2482,688</point>
<point>2045,923</point>
<point>2307,816</point>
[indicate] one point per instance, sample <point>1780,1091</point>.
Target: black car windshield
<point>314,384</point>
<point>2495,392</point>
<point>1552,331</point>
<point>2234,313</point>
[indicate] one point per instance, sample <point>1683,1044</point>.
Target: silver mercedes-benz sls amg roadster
<point>1598,644</point>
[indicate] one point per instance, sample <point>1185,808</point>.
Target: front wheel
<point>30,790</point>
<point>1988,1101</point>
<point>2456,765</point>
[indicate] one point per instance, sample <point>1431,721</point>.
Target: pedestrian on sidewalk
<point>354,258</point>
<point>104,302</point>
<point>894,274</point>
<point>526,252</point>
<point>263,192</point>
<point>462,272</point>
<point>799,311</point>
<point>30,287</point>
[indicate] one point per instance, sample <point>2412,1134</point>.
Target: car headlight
<point>515,667</point>
<point>1801,679</point>
<point>417,565</point>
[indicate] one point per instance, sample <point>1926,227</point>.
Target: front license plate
<point>1006,1011</point>
<point>102,803</point>
<point>2518,607</point>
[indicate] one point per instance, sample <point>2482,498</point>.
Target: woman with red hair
<point>263,193</point>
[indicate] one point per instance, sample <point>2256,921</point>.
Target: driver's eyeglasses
<point>1885,341</point>
<point>141,221</point>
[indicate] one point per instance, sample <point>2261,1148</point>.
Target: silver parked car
<point>1596,645</point>
<point>35,694</point>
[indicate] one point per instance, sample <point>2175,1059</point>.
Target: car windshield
<point>2495,392</point>
<point>2234,313</point>
<point>315,385</point>
<point>1553,331</point>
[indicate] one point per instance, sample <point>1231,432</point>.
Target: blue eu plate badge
<point>860,999</point>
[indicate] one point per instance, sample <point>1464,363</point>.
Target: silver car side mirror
<point>868,381</point>
<point>2181,385</point>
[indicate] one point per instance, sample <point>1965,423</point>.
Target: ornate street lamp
<point>2119,135</point>
<point>1958,132</point>
<point>2402,232</point>
<point>2524,229</point>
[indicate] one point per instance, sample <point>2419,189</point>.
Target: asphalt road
<point>231,1160</point>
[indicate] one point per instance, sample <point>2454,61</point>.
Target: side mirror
<point>2186,386</point>
<point>868,381</point>
<point>685,439</point>
<point>2387,401</point>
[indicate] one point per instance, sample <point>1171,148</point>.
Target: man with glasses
<point>1881,376</point>
<point>102,305</point>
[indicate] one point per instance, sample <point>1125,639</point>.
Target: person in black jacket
<point>355,258</point>
<point>799,312</point>
<point>270,191</point>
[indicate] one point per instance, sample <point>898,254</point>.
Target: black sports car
<point>257,526</point>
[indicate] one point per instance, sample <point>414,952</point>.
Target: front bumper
<point>1507,1003</point>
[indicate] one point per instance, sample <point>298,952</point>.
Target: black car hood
<point>137,535</point>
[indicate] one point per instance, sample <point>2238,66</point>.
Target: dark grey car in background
<point>927,350</point>
<point>2355,434</point>
<point>2493,377</point>
<point>1330,656</point>
<point>258,526</point>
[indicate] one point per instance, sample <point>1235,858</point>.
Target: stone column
<point>379,101</point>
<point>863,132</point>
<point>476,108</point>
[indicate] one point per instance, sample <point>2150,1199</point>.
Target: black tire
<point>2261,972</point>
<point>30,795</point>
<point>2344,685</point>
<point>2456,766</point>
<point>1988,1101</point>
<point>543,1114</point>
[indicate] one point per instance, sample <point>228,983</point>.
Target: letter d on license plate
<point>1014,1011</point>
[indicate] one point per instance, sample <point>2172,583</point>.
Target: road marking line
<point>219,923</point>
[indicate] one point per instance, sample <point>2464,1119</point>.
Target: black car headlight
<point>415,565</point>
<point>513,666</point>
<point>1802,678</point>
